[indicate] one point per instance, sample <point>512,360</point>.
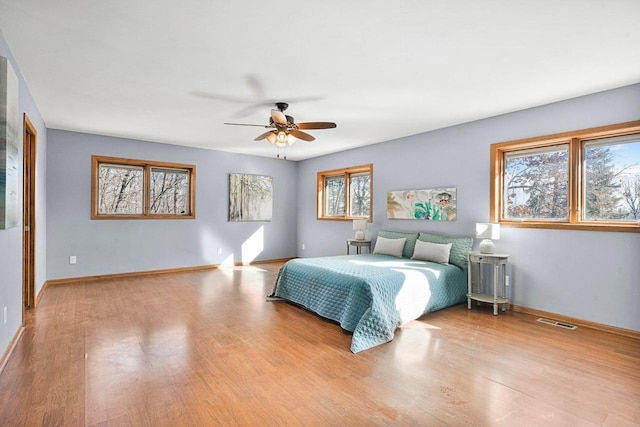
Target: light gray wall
<point>119,246</point>
<point>591,275</point>
<point>11,239</point>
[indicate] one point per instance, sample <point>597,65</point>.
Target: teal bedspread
<point>371,294</point>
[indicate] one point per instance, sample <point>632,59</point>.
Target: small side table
<point>498,261</point>
<point>359,244</point>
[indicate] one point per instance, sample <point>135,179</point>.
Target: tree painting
<point>250,197</point>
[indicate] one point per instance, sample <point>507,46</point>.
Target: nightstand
<point>359,244</point>
<point>499,262</point>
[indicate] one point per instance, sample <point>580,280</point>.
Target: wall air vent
<point>556,323</point>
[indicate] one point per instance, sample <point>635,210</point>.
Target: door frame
<point>28,215</point>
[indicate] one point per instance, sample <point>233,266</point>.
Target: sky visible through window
<point>628,155</point>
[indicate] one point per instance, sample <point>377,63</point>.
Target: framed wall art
<point>432,204</point>
<point>10,134</point>
<point>250,197</point>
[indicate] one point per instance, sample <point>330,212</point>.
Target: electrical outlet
<point>5,314</point>
<point>72,259</point>
<point>219,251</point>
<point>303,246</point>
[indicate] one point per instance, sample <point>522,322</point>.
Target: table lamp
<point>359,225</point>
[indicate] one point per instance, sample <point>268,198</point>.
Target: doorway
<point>28,216</point>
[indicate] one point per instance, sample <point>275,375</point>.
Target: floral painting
<point>434,204</point>
<point>250,197</point>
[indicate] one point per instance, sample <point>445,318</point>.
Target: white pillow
<point>391,247</point>
<point>435,252</point>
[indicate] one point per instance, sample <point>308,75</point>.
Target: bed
<point>371,295</point>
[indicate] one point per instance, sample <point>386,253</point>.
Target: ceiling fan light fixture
<point>282,137</point>
<point>272,138</point>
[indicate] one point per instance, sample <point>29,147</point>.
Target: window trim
<point>147,166</point>
<point>346,172</point>
<point>575,140</point>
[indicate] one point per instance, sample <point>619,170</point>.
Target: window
<point>345,194</point>
<point>537,183</point>
<point>135,189</point>
<point>588,179</point>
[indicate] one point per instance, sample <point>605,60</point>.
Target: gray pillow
<point>460,246</point>
<point>391,247</point>
<point>434,252</point>
<point>407,251</point>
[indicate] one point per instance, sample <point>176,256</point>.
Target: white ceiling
<point>174,71</point>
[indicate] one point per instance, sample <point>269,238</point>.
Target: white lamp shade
<point>281,139</point>
<point>488,231</point>
<point>360,225</point>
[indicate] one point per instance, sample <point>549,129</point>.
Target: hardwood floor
<point>205,348</point>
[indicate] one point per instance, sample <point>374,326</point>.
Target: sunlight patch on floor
<point>417,324</point>
<point>228,261</point>
<point>415,348</point>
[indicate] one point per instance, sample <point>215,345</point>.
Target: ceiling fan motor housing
<point>282,106</point>
<point>290,120</point>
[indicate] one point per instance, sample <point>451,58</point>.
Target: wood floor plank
<point>205,348</point>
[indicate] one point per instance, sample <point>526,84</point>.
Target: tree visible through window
<point>126,188</point>
<point>120,190</point>
<point>345,194</point>
<point>587,179</point>
<point>612,179</point>
<point>334,195</point>
<point>169,191</point>
<point>537,183</point>
<point>360,195</point>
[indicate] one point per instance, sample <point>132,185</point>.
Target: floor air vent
<point>556,323</point>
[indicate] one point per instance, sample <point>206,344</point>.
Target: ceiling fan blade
<point>303,99</point>
<point>220,97</point>
<point>301,135</point>
<point>247,124</point>
<point>316,125</point>
<point>255,86</point>
<point>264,135</point>
<point>279,117</point>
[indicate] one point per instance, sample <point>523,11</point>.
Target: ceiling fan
<point>284,130</point>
